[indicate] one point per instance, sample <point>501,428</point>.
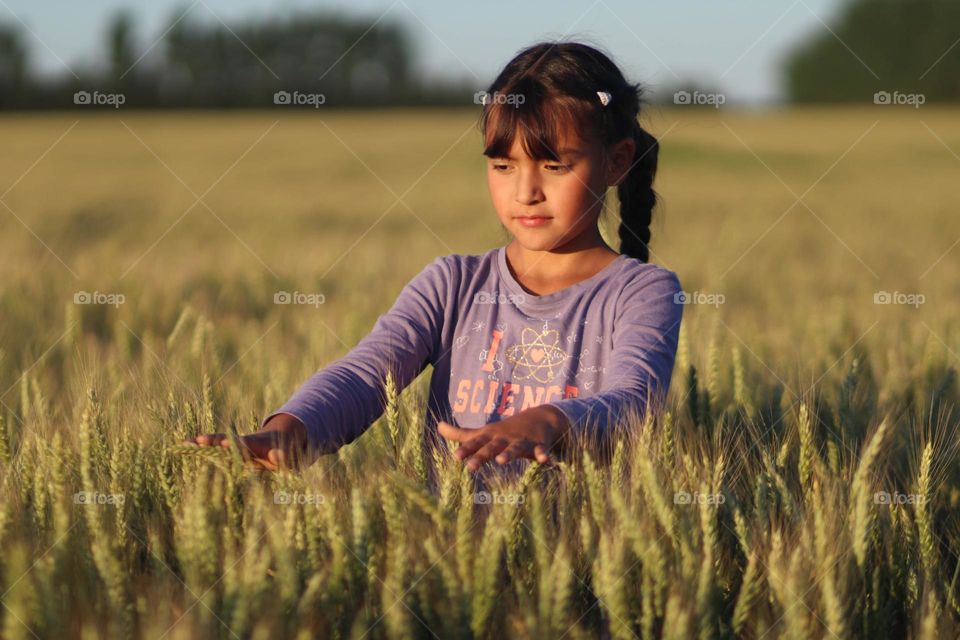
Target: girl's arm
<point>645,336</point>
<point>339,402</point>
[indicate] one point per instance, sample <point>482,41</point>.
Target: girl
<point>539,345</point>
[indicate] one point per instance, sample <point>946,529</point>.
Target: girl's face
<point>565,197</point>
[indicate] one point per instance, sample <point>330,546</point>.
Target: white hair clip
<point>605,97</point>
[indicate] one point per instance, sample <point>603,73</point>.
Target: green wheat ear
<point>218,454</point>
<point>199,450</point>
<point>230,461</point>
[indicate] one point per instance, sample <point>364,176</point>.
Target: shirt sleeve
<point>646,330</point>
<point>338,403</point>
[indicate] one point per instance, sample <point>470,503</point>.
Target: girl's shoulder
<point>460,266</point>
<point>637,270</point>
<point>645,287</point>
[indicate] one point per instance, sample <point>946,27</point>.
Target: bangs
<point>543,123</point>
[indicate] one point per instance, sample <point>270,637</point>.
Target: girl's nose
<point>528,189</point>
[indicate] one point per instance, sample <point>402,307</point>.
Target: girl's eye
<point>499,167</point>
<point>557,167</point>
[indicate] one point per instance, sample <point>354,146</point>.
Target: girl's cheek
<point>497,188</point>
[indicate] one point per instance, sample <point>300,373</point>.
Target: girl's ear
<point>620,161</point>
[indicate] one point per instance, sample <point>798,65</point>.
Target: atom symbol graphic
<point>539,354</point>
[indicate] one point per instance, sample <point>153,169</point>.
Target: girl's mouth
<point>533,221</point>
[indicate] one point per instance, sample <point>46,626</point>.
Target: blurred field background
<point>796,216</point>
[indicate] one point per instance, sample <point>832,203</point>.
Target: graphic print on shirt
<point>538,361</point>
<point>537,356</point>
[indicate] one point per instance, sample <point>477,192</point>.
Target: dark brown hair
<point>553,85</point>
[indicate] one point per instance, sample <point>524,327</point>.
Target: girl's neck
<point>543,272</point>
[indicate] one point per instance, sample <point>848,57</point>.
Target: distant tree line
<point>874,50</point>
<point>307,60</point>
<point>885,47</point>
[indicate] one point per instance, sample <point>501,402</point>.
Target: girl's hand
<point>281,443</point>
<point>533,434</point>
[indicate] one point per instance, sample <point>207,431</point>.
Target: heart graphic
<point>536,355</point>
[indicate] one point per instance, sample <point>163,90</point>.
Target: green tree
<point>908,46</point>
<point>13,66</point>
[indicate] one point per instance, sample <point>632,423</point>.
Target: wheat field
<point>803,483</point>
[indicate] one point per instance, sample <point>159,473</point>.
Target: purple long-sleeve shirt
<point>595,349</point>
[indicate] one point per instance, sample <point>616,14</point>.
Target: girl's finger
<point>254,446</point>
<point>451,432</point>
<point>260,465</point>
<point>487,452</point>
<point>268,452</point>
<point>210,439</point>
<point>278,458</point>
<point>541,454</point>
<point>519,449</point>
<point>471,446</point>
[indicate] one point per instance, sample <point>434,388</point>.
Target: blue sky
<point>736,47</point>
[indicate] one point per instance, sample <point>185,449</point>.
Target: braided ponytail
<point>637,197</point>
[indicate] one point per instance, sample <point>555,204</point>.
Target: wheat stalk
<point>707,605</point>
<point>487,579</point>
<point>751,588</point>
<point>391,414</point>
<point>805,463</point>
<point>831,590</point>
<point>863,512</point>
<point>740,392</point>
<point>5,451</point>
<point>928,550</point>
